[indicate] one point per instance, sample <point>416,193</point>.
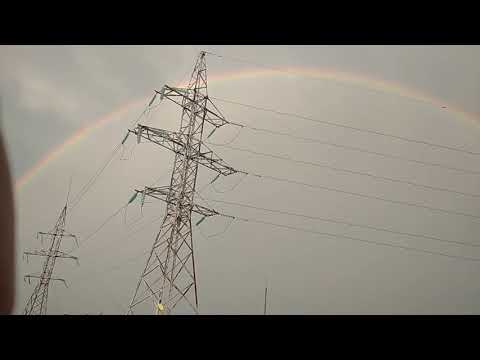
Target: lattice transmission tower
<point>37,303</point>
<point>169,277</point>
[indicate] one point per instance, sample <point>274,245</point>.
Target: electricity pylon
<point>169,277</point>
<point>37,303</point>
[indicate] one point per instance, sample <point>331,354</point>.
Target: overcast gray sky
<point>49,92</point>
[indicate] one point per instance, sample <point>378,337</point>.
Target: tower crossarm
<point>172,141</point>
<point>162,193</point>
<point>210,160</point>
<point>54,234</point>
<point>168,139</point>
<point>57,254</point>
<point>28,277</point>
<point>64,234</point>
<point>177,95</point>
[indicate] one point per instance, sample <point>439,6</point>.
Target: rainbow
<point>363,81</point>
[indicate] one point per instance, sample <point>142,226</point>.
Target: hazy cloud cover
<point>49,92</point>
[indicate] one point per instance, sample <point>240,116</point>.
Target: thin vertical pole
<point>265,303</point>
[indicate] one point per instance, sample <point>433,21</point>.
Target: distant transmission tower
<point>169,277</point>
<point>37,303</point>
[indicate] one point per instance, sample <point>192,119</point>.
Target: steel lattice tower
<point>37,303</point>
<point>169,276</point>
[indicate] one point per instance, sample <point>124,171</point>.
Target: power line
<point>135,257</point>
<point>295,228</point>
<point>365,196</point>
<point>114,214</point>
<point>129,235</point>
<point>136,231</point>
<point>118,265</point>
<point>140,228</point>
<point>225,229</point>
<point>329,123</point>
<point>94,178</point>
<point>356,149</point>
<point>158,264</point>
<point>375,132</point>
<point>102,168</point>
<point>316,164</point>
<point>344,223</point>
<point>106,221</point>
<point>231,188</point>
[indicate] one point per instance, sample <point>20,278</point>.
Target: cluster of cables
<point>244,174</point>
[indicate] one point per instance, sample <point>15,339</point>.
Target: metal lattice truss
<point>174,141</point>
<point>169,278</point>
<point>48,235</point>
<point>37,303</point>
<point>46,253</point>
<point>178,95</point>
<point>162,193</point>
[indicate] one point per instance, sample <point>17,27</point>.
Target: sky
<point>66,107</point>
